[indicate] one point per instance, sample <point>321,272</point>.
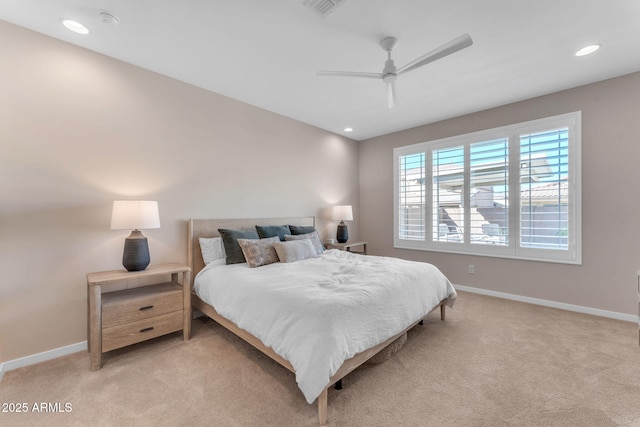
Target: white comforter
<point>319,312</point>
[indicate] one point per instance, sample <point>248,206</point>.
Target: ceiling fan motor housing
<point>389,72</point>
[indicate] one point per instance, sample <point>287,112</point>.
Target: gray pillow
<point>231,246</point>
<point>314,237</point>
<point>295,250</point>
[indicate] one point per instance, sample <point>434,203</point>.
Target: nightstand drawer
<point>131,305</point>
<point>123,335</point>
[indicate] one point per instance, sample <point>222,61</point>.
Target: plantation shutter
<point>489,192</point>
<point>448,194</point>
<point>544,189</point>
<point>411,197</point>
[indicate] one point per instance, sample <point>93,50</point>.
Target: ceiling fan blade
<point>350,74</point>
<point>446,49</point>
<point>392,97</point>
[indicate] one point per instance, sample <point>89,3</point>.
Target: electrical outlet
<point>472,269</point>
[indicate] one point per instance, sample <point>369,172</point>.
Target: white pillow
<point>314,237</point>
<point>212,249</point>
<point>295,250</point>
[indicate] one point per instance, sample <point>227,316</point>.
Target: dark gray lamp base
<point>136,252</point>
<point>342,234</point>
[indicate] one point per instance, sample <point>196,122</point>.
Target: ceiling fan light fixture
<point>389,78</point>
<point>587,50</point>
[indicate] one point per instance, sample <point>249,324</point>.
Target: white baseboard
<point>41,357</point>
<point>553,304</point>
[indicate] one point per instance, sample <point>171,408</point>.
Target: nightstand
<point>349,247</point>
<point>120,318</point>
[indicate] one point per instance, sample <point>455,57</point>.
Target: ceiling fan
<point>390,73</point>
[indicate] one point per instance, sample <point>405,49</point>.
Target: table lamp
<point>135,215</point>
<point>342,213</point>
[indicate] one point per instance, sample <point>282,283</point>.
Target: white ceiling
<point>267,53</point>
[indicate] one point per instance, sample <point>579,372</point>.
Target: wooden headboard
<point>209,228</point>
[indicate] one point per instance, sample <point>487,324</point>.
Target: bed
<point>342,281</point>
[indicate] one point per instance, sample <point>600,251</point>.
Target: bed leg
<point>338,384</point>
<point>421,322</point>
<point>442,312</point>
<point>322,407</point>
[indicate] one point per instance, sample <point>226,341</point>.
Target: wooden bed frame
<point>209,228</point>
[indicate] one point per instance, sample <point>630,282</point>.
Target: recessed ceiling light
<point>348,129</point>
<point>587,50</point>
<point>75,26</point>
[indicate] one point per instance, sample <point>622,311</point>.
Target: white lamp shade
<point>342,213</point>
<point>134,215</point>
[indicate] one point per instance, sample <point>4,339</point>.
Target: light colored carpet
<point>492,363</point>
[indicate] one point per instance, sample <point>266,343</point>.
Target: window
<point>511,192</point>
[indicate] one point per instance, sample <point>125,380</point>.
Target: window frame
<point>572,255</point>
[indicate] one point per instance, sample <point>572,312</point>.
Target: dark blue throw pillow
<point>300,229</point>
<point>265,231</point>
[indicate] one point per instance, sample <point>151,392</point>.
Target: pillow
<point>314,237</point>
<point>212,249</point>
<point>259,252</point>
<point>299,229</point>
<point>295,250</point>
<point>231,246</point>
<point>273,230</point>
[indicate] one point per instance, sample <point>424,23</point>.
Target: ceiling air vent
<point>323,7</point>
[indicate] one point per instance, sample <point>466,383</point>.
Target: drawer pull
<point>150,328</point>
<point>147,307</point>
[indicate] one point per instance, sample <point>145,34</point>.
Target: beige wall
<point>610,199</point>
<point>79,130</point>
